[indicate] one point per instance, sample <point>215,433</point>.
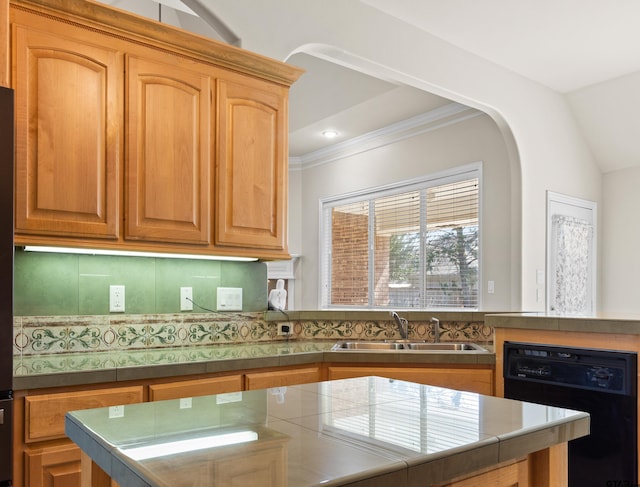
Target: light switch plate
<point>229,299</point>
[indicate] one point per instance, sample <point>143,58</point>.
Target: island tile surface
<point>370,430</point>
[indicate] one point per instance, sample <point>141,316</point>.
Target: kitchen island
<point>368,431</point>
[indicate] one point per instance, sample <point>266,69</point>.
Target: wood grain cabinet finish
<point>54,466</point>
<point>168,151</point>
<point>195,388</point>
<point>251,171</point>
<point>135,135</point>
<point>511,475</point>
<point>44,413</point>
<point>49,458</point>
<point>477,380</point>
<point>279,378</point>
<point>67,132</point>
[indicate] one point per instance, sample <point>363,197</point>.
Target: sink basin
<point>380,346</point>
<point>393,346</point>
<point>444,346</point>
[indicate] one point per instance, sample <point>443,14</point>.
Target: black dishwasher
<point>602,383</point>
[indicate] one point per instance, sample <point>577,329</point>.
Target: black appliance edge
<point>6,282</point>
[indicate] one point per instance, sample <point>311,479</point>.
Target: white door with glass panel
<point>571,255</point>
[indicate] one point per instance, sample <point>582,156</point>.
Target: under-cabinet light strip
<point>130,253</point>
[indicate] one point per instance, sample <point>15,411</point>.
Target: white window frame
<point>459,173</point>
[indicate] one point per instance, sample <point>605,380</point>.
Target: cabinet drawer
<point>194,388</point>
<point>263,380</point>
<point>44,414</point>
<point>472,380</point>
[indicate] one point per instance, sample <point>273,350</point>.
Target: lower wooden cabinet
<point>53,466</point>
<point>194,388</point>
<point>279,378</point>
<point>48,458</point>
<point>44,413</point>
<point>512,475</point>
<point>43,456</point>
<point>478,380</point>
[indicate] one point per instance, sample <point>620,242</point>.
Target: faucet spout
<point>435,322</point>
<point>403,325</point>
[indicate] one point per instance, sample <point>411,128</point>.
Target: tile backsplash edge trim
<point>40,335</point>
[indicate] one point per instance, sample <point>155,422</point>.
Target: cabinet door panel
<point>67,134</point>
<point>45,413</point>
<point>513,475</point>
<point>194,388</point>
<point>472,380</point>
<point>53,467</point>
<point>252,167</point>
<point>168,153</point>
<point>279,378</point>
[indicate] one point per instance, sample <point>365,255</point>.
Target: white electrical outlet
<point>186,296</point>
<point>116,299</point>
<point>229,299</point>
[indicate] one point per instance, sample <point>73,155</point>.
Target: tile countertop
<point>599,323</point>
<point>67,369</point>
<point>370,430</point>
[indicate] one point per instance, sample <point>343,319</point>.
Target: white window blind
<point>414,245</point>
<point>452,245</point>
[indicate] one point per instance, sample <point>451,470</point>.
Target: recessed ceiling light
<point>330,134</point>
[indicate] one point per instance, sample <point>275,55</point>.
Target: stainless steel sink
<point>408,346</point>
<point>458,347</point>
<point>391,346</point>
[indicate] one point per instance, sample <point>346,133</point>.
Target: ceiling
<point>575,47</point>
<point>563,44</point>
<point>331,97</point>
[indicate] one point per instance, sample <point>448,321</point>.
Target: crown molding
<point>438,118</point>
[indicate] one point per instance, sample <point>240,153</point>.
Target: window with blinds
<point>414,245</point>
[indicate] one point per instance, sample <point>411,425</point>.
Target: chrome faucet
<point>436,329</point>
<point>403,325</point>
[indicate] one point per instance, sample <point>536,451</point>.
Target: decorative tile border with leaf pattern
<point>46,335</point>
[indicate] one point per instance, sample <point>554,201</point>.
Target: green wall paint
<point>68,284</point>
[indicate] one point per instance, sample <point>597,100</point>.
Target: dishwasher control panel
<point>608,370</point>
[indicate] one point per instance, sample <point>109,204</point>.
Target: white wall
<point>468,141</point>
<point>546,149</point>
<point>620,255</point>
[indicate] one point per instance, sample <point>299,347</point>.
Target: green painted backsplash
<point>69,284</point>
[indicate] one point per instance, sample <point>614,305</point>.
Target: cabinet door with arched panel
<point>68,88</point>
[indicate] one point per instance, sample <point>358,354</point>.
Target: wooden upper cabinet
<point>168,159</point>
<point>251,166</point>
<point>68,107</point>
<point>135,135</point>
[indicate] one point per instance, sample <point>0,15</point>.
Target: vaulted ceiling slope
<point>588,50</point>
